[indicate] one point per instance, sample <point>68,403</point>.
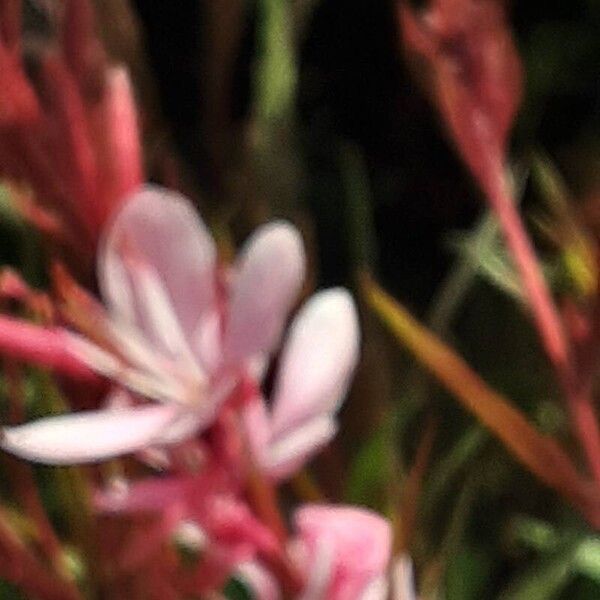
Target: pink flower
<point>343,551</point>
<point>317,362</point>
<point>167,335</point>
<point>347,551</point>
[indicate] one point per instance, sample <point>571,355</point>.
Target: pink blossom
<point>166,334</point>
<point>344,553</point>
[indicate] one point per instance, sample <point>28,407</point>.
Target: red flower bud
<point>475,75</point>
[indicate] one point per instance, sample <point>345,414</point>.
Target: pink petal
<point>269,274</point>
<point>88,436</point>
<point>320,570</point>
<point>43,346</point>
<point>185,425</point>
<point>208,339</point>
<point>318,360</point>
<point>359,539</point>
<point>257,428</point>
<point>287,454</point>
<point>160,229</point>
<point>403,582</point>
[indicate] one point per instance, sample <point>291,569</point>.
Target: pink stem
<point>544,311</point>
<point>44,346</point>
<point>547,320</point>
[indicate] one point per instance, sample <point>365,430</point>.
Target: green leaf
<point>8,213</point>
<point>490,259</point>
<point>587,558</point>
<point>545,538</point>
<point>540,454</point>
<point>9,592</point>
<point>370,470</point>
<point>276,72</point>
<point>454,461</point>
<point>546,579</point>
<point>236,590</point>
<point>359,200</point>
<point>467,574</point>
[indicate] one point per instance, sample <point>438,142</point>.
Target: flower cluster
<point>186,342</point>
<point>70,135</point>
<point>192,395</point>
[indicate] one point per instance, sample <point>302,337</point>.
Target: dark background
<point>354,86</point>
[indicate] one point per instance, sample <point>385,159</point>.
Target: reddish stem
<point>547,320</point>
<point>262,497</point>
<point>21,568</point>
<point>544,311</point>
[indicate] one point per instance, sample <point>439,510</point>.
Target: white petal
<point>287,454</point>
<point>403,583</point>
<point>377,589</point>
<point>262,583</point>
<point>184,426</point>
<point>156,384</point>
<point>318,360</point>
<point>162,229</point>
<point>268,278</point>
<point>320,571</point>
<point>159,317</point>
<point>88,436</point>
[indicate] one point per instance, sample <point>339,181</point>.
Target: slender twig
<point>262,497</point>
<point>408,509</point>
<point>542,306</point>
<point>547,321</point>
<point>20,567</point>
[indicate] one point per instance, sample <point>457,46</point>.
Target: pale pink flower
<point>168,335</point>
<point>343,552</point>
<point>317,361</point>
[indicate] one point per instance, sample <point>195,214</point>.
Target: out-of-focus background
<point>309,110</point>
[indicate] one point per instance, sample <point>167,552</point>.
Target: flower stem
<point>20,567</point>
<point>547,320</point>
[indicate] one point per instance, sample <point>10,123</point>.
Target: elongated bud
<point>475,75</point>
<point>82,50</point>
<point>116,138</point>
